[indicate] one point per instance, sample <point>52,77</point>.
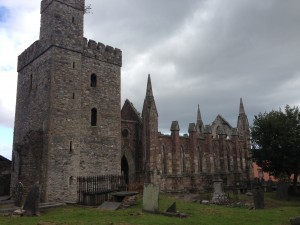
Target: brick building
<point>182,163</point>
<point>69,122</point>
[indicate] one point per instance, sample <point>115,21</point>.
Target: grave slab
<point>110,206</point>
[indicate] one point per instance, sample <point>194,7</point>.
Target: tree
<point>276,142</point>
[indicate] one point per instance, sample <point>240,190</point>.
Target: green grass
<point>276,213</point>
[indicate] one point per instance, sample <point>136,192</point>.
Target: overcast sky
<point>206,52</point>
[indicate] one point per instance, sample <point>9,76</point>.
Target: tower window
<point>93,117</point>
<point>71,147</point>
<point>31,82</point>
<point>73,19</point>
<point>71,180</point>
<point>73,96</point>
<point>74,64</point>
<point>93,80</point>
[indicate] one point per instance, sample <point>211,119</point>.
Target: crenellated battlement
<point>101,52</point>
<point>91,49</point>
<point>30,54</point>
<point>78,4</point>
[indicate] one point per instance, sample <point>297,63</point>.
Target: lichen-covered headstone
<point>19,194</point>
<point>32,202</point>
<point>219,196</point>
<point>151,198</point>
<point>258,198</point>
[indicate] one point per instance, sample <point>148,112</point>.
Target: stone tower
<point>150,121</point>
<point>67,121</point>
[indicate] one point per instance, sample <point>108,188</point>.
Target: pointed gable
<point>130,113</point>
<point>220,124</point>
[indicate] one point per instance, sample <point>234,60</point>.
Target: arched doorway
<point>128,165</point>
<point>125,169</point>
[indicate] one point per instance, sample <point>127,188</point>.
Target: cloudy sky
<point>206,52</point>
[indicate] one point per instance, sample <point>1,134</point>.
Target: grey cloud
<point>206,52</point>
<point>6,117</point>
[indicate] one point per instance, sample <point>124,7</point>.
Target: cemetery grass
<point>276,213</point>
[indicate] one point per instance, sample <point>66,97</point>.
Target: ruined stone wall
<point>203,157</point>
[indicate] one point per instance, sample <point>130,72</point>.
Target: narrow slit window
<point>31,82</point>
<point>73,19</point>
<point>74,64</point>
<point>94,117</point>
<point>71,146</point>
<point>73,96</point>
<point>93,80</point>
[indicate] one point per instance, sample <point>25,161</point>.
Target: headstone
<point>32,202</point>
<point>270,184</point>
<point>150,198</point>
<point>110,205</point>
<point>295,221</point>
<point>258,198</point>
<point>172,208</point>
<point>19,194</point>
<point>282,191</point>
<point>219,196</point>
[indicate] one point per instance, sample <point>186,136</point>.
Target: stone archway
<point>128,166</point>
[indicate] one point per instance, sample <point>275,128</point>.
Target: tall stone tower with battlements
<point>68,120</point>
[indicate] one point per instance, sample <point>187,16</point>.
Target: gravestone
<point>19,194</point>
<point>172,208</point>
<point>150,198</point>
<point>270,185</point>
<point>219,196</point>
<point>32,202</point>
<point>110,205</point>
<point>295,221</point>
<point>258,198</point>
<point>282,191</point>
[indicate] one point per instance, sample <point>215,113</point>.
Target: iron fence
<point>94,190</point>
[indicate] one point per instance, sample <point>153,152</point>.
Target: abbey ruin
<point>69,121</point>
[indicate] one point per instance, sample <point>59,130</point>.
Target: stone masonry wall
<point>31,123</point>
<point>101,144</point>
<point>62,23</point>
<point>65,124</point>
<point>54,141</point>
